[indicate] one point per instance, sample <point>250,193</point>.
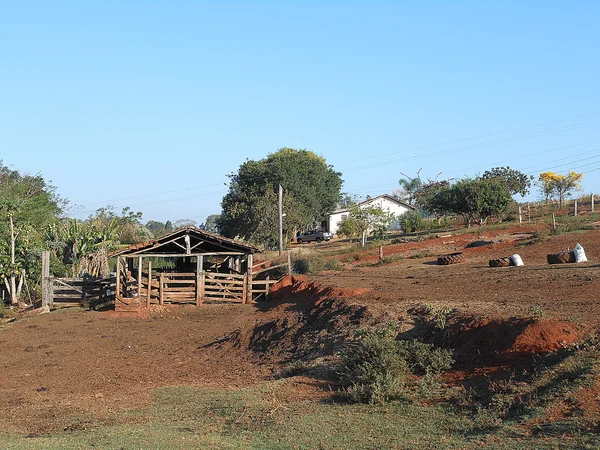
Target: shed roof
<point>187,240</point>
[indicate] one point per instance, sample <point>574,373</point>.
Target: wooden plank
<point>249,279</point>
<point>216,275</point>
<point>180,255</point>
<point>149,285</point>
<point>161,289</point>
<point>245,291</point>
<point>222,299</point>
<point>202,286</point>
<point>257,282</point>
<point>225,288</point>
<point>59,281</point>
<point>271,268</point>
<point>118,280</point>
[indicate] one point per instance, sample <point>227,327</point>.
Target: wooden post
<point>51,292</point>
<point>528,213</point>
<point>140,278</point>
<point>149,293</point>
<point>553,221</point>
<point>381,253</point>
<point>575,208</point>
<point>45,277</point>
<point>118,280</point>
<point>249,272</point>
<point>592,202</point>
<point>520,215</point>
<point>161,289</point>
<point>245,289</point>
<point>201,281</point>
<point>289,263</point>
<point>267,287</point>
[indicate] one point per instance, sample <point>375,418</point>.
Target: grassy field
<point>261,418</point>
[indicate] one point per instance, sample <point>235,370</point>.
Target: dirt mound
<point>304,320</point>
<point>481,341</point>
<point>299,286</point>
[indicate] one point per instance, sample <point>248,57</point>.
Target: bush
<point>375,366</point>
<point>308,264</point>
<point>334,264</point>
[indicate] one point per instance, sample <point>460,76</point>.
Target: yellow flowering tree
<point>552,184</point>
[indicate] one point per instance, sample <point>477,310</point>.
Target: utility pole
<point>280,210</point>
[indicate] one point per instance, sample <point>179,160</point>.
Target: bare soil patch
<point>75,369</point>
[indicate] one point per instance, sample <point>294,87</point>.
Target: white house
<point>386,202</point>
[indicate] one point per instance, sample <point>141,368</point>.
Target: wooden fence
<point>62,292</point>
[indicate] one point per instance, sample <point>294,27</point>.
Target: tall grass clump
<point>377,367</point>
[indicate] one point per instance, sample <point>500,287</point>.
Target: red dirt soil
<point>87,365</point>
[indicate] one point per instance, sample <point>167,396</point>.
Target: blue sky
<point>150,104</point>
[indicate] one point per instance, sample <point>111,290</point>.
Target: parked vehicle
<point>313,236</point>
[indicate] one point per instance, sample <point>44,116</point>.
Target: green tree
<point>516,182</point>
<point>471,198</point>
<point>158,229</point>
<point>409,187</point>
<point>84,245</point>
<point>430,197</point>
<point>365,220</point>
<point>311,191</point>
<point>210,224</point>
<point>180,223</point>
<point>27,205</point>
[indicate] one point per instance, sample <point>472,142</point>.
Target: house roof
<point>370,200</point>
<point>187,239</point>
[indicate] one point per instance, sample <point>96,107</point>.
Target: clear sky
<point>150,104</point>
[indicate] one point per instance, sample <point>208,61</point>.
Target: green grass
<point>262,418</point>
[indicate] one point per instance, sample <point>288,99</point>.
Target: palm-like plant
<point>409,188</point>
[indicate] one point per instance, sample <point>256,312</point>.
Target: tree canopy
<point>311,191</point>
<point>28,205</point>
<point>516,182</point>
<point>556,185</point>
<point>477,198</point>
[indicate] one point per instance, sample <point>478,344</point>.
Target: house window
<point>344,216</point>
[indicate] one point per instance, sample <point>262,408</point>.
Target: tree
<point>552,184</point>
<point>516,182</point>
<point>365,220</point>
<point>158,229</point>
<point>347,200</point>
<point>84,245</point>
<point>311,190</point>
<point>430,197</point>
<point>471,198</point>
<point>180,223</point>
<point>27,206</point>
<point>210,224</point>
<point>409,188</point>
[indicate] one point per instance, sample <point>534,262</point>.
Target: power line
<point>569,127</point>
<point>471,147</point>
<point>474,137</point>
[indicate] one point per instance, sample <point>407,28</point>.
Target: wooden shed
<point>189,265</point>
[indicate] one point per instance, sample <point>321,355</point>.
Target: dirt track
<point>88,364</point>
<point>570,291</point>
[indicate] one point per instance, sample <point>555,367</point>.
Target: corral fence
<point>60,292</point>
<point>151,287</point>
<point>266,276</point>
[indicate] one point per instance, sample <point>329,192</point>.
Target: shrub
<point>308,264</point>
<point>375,366</point>
<point>334,264</point>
